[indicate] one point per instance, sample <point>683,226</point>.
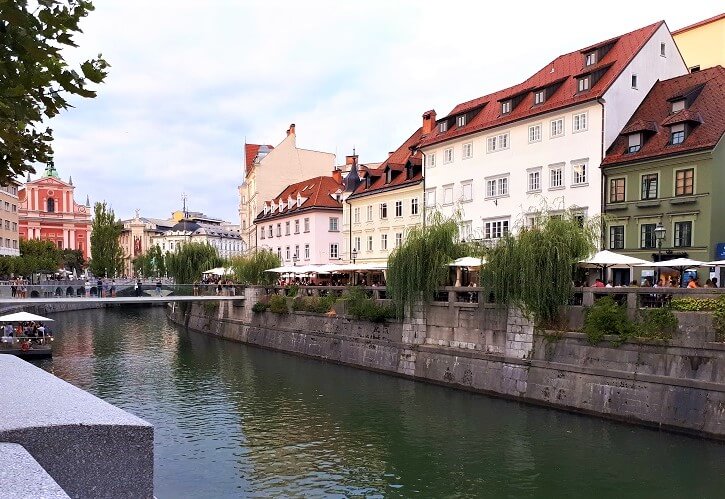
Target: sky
<point>191,81</point>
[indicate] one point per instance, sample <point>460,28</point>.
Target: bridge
<point>120,300</point>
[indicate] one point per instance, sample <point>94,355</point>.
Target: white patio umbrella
<point>24,317</point>
<point>467,261</point>
<point>678,264</point>
<point>716,263</point>
<point>606,259</point>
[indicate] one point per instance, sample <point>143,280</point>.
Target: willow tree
<point>419,266</point>
<point>534,269</point>
<point>187,264</point>
<point>252,269</point>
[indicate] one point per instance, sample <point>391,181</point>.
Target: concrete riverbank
<point>678,386</point>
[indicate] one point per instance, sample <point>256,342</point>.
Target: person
<point>113,288</point>
<point>139,291</point>
<point>14,288</point>
<point>634,284</point>
<point>714,282</point>
<point>693,283</point>
<point>708,284</point>
<point>196,288</point>
<point>99,288</point>
<point>609,284</point>
<point>158,287</point>
<point>87,288</point>
<point>598,283</point>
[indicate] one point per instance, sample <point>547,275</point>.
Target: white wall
<point>319,237</point>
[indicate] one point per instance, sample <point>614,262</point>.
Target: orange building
<point>48,211</point>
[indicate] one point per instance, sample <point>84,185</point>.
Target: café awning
<point>606,259</point>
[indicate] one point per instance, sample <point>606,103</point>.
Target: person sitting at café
<point>693,283</point>
<point>708,283</point>
<point>598,283</point>
<point>714,282</point>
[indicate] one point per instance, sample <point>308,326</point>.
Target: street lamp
<point>660,232</point>
<point>354,255</point>
<point>295,259</point>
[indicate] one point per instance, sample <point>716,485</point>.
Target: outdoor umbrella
<point>467,261</point>
<point>605,259</point>
<point>716,263</point>
<point>24,317</point>
<point>678,264</point>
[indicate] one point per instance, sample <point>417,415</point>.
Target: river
<point>234,421</point>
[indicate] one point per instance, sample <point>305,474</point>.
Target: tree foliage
<point>534,269</point>
<point>36,256</point>
<point>72,260</point>
<point>35,80</point>
<point>106,252</point>
<point>250,269</point>
<point>189,262</point>
<point>152,263</point>
<point>420,265</point>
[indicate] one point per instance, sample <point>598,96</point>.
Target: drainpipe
<point>349,225</point>
<point>602,194</point>
<point>424,200</point>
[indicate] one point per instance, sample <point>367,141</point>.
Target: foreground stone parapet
<point>89,447</point>
<point>21,476</point>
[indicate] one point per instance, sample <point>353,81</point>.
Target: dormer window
<point>539,97</point>
<point>591,59</point>
<point>678,105</point>
<point>388,175</point>
<point>677,134</point>
<point>443,126</point>
<point>635,143</point>
<point>584,83</point>
<point>506,107</point>
<point>461,121</point>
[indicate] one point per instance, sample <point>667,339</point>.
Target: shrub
<point>278,304</point>
<point>314,304</point>
<point>656,323</point>
<point>714,305</point>
<point>293,291</point>
<point>363,308</point>
<point>260,307</point>
<point>606,317</point>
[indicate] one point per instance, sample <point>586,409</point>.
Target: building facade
<point>200,229</point>
<point>665,169</point>
<point>703,44</point>
<point>269,170</point>
<point>9,223</point>
<point>47,210</point>
<point>303,223</point>
<point>137,237</point>
<point>382,204</point>
<point>501,159</point>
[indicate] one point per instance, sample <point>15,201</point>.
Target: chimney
<point>351,160</point>
<point>337,176</point>
<point>429,121</point>
<point>291,129</point>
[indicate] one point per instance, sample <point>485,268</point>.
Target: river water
<point>235,421</point>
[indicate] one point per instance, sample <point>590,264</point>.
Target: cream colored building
<point>228,242</point>
<point>702,44</point>
<point>9,236</point>
<point>269,170</point>
<point>382,204</point>
<point>137,237</point>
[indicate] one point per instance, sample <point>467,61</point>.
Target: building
<point>137,237</point>
<point>199,228</point>
<point>381,204</point>
<point>269,170</point>
<point>48,211</point>
<point>302,224</point>
<point>665,169</point>
<point>9,226</point>
<point>702,44</point>
<point>502,158</point>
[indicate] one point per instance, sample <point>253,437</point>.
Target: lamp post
<point>295,259</point>
<point>354,255</point>
<point>660,232</point>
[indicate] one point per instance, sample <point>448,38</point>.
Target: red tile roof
<point>397,161</point>
<point>250,152</point>
<point>708,107</point>
<point>318,192</point>
<point>560,75</point>
<point>698,24</point>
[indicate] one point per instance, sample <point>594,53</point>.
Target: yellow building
<point>702,44</point>
<point>383,204</point>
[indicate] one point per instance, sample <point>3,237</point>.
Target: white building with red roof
<point>269,170</point>
<point>302,223</point>
<point>503,157</point>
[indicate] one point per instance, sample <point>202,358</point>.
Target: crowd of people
<point>664,282</point>
<point>36,331</point>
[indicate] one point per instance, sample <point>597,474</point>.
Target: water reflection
<point>231,420</point>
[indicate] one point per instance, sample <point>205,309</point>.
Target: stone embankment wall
<point>679,385</point>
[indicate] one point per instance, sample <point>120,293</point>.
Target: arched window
<point>51,205</point>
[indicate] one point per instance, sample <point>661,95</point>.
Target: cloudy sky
<point>191,80</point>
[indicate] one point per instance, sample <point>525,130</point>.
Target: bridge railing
<point>110,289</point>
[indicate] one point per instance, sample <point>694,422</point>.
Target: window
<point>414,206</point>
<point>616,190</point>
<point>466,230</point>
<point>261,233</point>
<point>677,134</point>
<point>286,228</point>
<point>369,213</point>
<point>448,155</point>
<point>649,185</point>
<point>634,81</point>
<point>334,224</point>
<point>616,237</point>
<point>51,205</point>
<point>663,49</point>
<point>467,191</point>
<point>287,253</point>
<point>591,59</point>
<point>279,252</point>
<point>506,107</point>
<point>307,224</point>
<point>430,160</point>
<point>684,182</point>
<point>388,175</point>
<point>398,208</point>
<point>534,133</point>
<point>556,177</point>
<point>534,181</point>
<point>383,210</point>
<point>398,239</point>
<point>497,187</point>
<point>498,142</point>
<point>678,105</point>
<point>648,239</point>
<point>297,251</point>
<point>557,127</point>
<point>683,234</point>
<point>467,150</point>
<point>443,126</point>
<point>583,83</point>
<point>356,215</point>
<point>579,122</point>
<point>430,198</point>
<point>579,174</point>
<point>269,232</point>
<point>461,121</point>
<point>635,142</point>
<point>307,251</point>
<point>370,243</point>
<point>297,226</point>
<point>279,230</point>
<point>334,251</point>
<point>447,195</point>
<point>495,229</point>
<point>539,97</point>
<point>384,242</point>
<point>356,243</point>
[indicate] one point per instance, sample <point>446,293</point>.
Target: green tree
<point>72,260</point>
<point>188,263</point>
<point>36,256</point>
<point>157,260</point>
<point>251,269</point>
<point>35,80</point>
<point>106,252</point>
